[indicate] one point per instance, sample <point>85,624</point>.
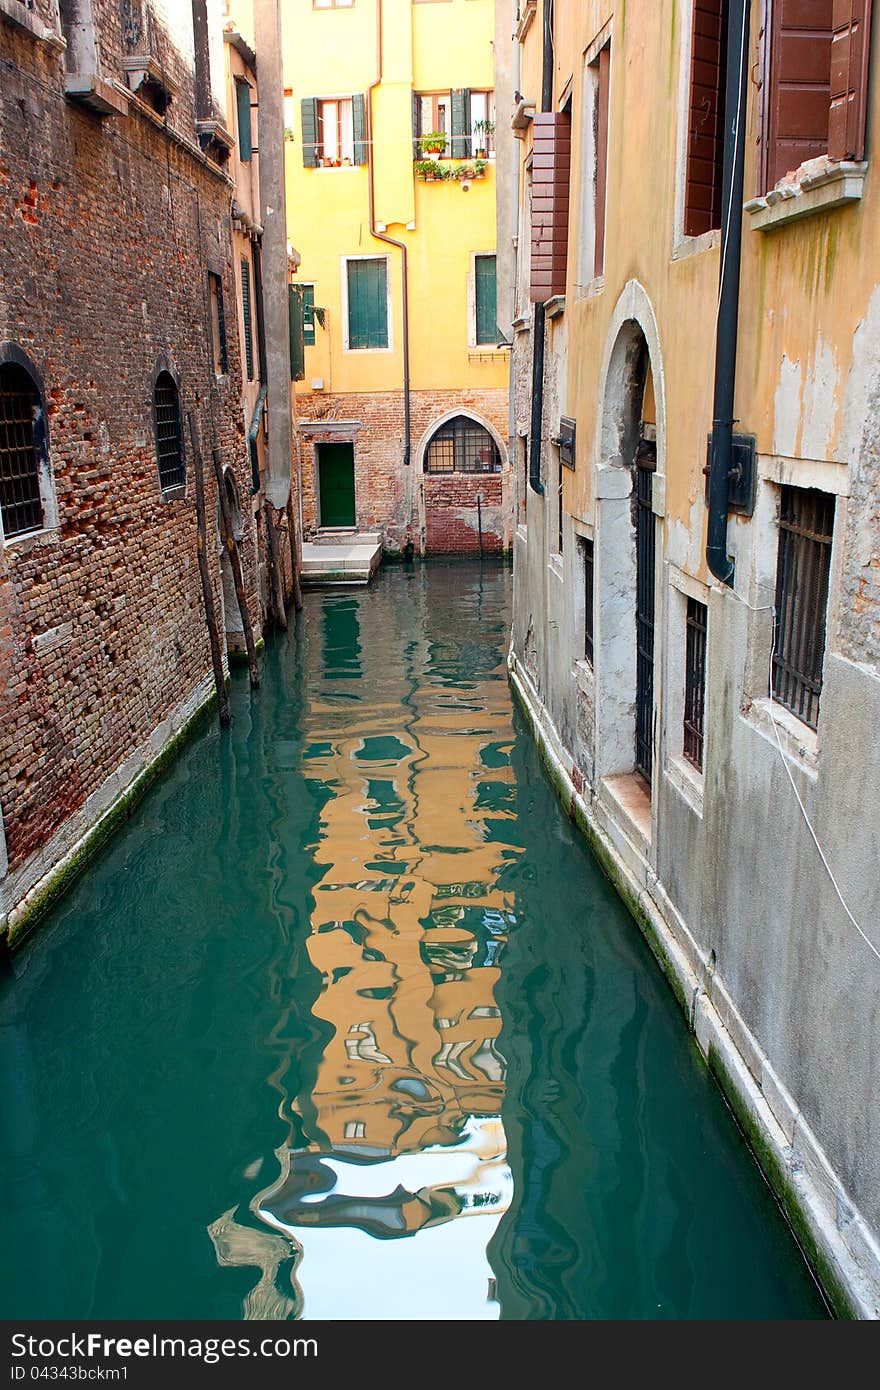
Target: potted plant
<point>483,131</point>
<point>346,161</point>
<point>434,143</point>
<point>479,168</point>
<point>430,170</point>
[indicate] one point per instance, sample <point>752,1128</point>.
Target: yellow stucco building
<point>403,387</point>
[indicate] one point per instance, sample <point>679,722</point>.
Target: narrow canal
<point>347,1023</point>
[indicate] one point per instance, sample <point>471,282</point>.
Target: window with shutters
<point>705,140</point>
<point>806,529</point>
<point>815,83</point>
<point>23,450</point>
<point>332,4</point>
<point>296,323</point>
<point>247,315</point>
<point>168,426</point>
<point>462,445</point>
<point>550,172</point>
<point>365,286</point>
<point>243,119</point>
<point>433,116</point>
<point>334,131</point>
<point>308,301</point>
<point>485,301</point>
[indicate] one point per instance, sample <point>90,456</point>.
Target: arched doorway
<point>632,428</point>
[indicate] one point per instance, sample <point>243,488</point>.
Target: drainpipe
<point>728,299</point>
<point>538,326</point>
<point>390,241</point>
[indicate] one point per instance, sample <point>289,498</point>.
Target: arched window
<point>22,450</point>
<point>462,446</point>
<point>169,432</point>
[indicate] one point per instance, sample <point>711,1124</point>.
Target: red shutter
<point>551,167</point>
<point>702,208</point>
<point>850,50</point>
<point>603,99</point>
<point>800,84</point>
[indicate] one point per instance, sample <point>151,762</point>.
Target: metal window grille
<point>645,553</point>
<point>20,501</point>
<point>169,436</point>
<point>695,681</point>
<point>462,446</point>
<point>248,318</point>
<point>587,547</point>
<point>806,527</point>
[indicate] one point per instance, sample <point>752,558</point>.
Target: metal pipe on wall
<point>538,316</point>
<point>728,300</point>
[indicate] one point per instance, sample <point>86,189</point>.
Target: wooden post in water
<point>207,595</point>
<point>294,565</point>
<point>237,577</point>
<point>276,587</point>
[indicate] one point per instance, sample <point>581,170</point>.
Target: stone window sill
<point>28,23</point>
<point>555,307</point>
<point>29,540</point>
<point>799,742</point>
<point>592,289</point>
<point>820,186</point>
<point>172,494</point>
<point>523,323</point>
<point>687,246</point>
<point>688,782</point>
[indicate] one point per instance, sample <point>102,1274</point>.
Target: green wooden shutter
<point>247,315</point>
<point>416,110</point>
<point>297,338</point>
<point>243,111</point>
<point>461,123</point>
<point>367,304</point>
<point>308,298</point>
<point>359,122</point>
<point>309,109</point>
<point>486,296</point>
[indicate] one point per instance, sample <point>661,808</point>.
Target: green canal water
<point>346,1022</point>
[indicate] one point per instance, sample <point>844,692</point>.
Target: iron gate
<point>646,463</point>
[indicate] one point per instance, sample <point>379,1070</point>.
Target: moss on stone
<point>60,879</point>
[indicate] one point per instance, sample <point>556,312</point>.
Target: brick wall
<point>108,227</point>
<point>404,505</point>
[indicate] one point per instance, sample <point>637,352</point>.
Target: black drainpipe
<point>390,241</point>
<point>538,326</point>
<point>728,299</point>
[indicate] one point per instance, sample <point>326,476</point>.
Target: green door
<point>336,484</point>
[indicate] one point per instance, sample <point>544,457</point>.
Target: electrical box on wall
<point>565,441</point>
<point>743,474</point>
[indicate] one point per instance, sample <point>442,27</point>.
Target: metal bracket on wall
<point>565,441</point>
<point>743,474</point>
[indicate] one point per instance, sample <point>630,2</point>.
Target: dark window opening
<point>559,503</point>
<point>523,477</point>
<point>218,325</point>
<point>247,315</point>
<point>20,414</point>
<point>169,432</point>
<point>602,69</point>
<point>695,681</point>
<point>587,553</point>
<point>806,526</point>
<point>462,446</point>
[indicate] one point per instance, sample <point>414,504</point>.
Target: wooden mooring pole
<point>237,577</point>
<point>276,585</point>
<point>207,594</point>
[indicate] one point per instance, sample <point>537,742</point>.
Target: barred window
<point>806,526</point>
<point>20,418</point>
<point>586,548</point>
<point>462,446</point>
<point>169,433</point>
<point>695,681</point>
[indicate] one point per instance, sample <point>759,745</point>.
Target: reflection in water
<point>400,1135</point>
<point>346,1022</point>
